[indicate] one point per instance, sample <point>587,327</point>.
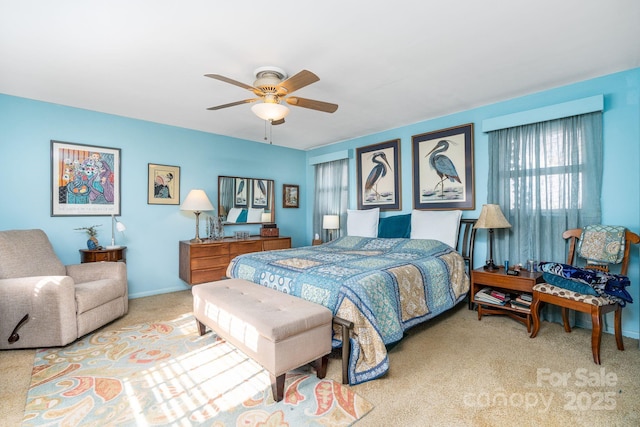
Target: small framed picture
<point>290,195</point>
<point>163,186</point>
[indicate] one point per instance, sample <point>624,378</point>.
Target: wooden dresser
<point>208,261</point>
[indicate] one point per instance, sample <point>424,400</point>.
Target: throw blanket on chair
<point>602,244</point>
<point>609,285</point>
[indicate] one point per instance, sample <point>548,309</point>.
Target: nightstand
<point>99,255</point>
<point>500,281</point>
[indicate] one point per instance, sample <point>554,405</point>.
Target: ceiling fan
<point>272,86</point>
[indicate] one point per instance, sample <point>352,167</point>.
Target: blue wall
<point>621,181</point>
<point>153,231</point>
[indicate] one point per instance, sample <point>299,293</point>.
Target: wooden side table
<point>99,255</point>
<point>316,242</point>
<point>499,280</point>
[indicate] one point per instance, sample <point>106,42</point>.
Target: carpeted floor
<point>452,371</point>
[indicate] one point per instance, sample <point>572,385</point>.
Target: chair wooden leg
<point>535,313</point>
<point>565,319</point>
<point>596,333</point>
<point>618,328</point>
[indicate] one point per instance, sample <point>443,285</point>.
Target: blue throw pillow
<point>397,226</point>
<point>571,285</point>
<point>243,216</point>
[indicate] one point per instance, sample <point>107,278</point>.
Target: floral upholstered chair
<point>590,289</point>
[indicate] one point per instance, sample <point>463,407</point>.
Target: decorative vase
<point>92,243</point>
<point>216,228</point>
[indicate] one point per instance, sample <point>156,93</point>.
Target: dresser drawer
<point>207,250</point>
<point>238,248</point>
<point>208,275</point>
<point>274,244</point>
<point>209,262</point>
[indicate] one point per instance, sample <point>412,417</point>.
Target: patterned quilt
<point>384,286</point>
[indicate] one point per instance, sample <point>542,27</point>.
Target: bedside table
<point>500,281</point>
<point>99,255</point>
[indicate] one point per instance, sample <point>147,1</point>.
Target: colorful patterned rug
<point>165,374</point>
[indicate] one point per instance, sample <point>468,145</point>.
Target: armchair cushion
<point>14,257</point>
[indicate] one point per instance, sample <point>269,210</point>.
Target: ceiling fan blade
<point>232,104</point>
<point>277,122</point>
<point>300,80</point>
<point>234,82</point>
<point>326,107</point>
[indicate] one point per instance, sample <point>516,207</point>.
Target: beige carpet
<point>451,371</point>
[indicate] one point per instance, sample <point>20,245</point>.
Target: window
<point>547,177</point>
<point>331,193</point>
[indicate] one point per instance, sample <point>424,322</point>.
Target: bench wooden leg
<point>201,327</point>
<point>320,365</point>
<point>277,386</point>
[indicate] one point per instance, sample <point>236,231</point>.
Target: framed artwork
<point>85,180</point>
<point>378,175</point>
<point>240,198</point>
<point>443,169</point>
<point>260,193</point>
<point>290,195</point>
<point>163,186</point>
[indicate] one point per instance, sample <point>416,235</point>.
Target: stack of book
<point>522,303</point>
<point>491,296</point>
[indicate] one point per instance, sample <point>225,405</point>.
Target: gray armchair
<point>44,303</point>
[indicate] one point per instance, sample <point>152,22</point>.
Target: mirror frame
<point>250,186</point>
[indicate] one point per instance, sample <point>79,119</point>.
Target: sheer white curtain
<point>547,178</point>
<point>331,194</point>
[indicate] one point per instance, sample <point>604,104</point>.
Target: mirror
<point>245,200</point>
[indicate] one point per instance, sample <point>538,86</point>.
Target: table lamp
<point>331,222</point>
<point>197,201</point>
<point>115,225</point>
<point>491,217</point>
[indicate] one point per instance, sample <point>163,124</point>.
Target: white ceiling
<point>387,64</point>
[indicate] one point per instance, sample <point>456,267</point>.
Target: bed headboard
<point>466,241</point>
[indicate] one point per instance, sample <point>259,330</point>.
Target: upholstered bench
<point>279,331</point>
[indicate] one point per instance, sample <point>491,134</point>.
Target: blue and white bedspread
<point>384,286</point>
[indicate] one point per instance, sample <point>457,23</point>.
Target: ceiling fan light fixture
<point>270,111</point>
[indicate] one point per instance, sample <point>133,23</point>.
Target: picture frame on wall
<point>378,176</point>
<point>85,180</point>
<point>163,184</point>
<point>443,176</point>
<point>290,196</point>
<point>240,198</point>
<point>260,193</point>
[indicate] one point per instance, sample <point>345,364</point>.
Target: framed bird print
<point>378,175</point>
<point>443,169</point>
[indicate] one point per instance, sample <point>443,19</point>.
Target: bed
<point>383,285</point>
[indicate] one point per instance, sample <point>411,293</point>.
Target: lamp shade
<point>491,217</point>
<point>330,222</point>
<point>270,111</point>
<point>197,201</point>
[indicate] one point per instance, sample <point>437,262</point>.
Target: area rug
<point>165,374</point>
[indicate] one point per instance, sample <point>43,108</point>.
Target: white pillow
<point>233,214</point>
<point>363,223</point>
<point>437,225</point>
<point>255,215</point>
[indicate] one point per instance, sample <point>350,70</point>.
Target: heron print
<point>445,174</point>
<point>378,175</point>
